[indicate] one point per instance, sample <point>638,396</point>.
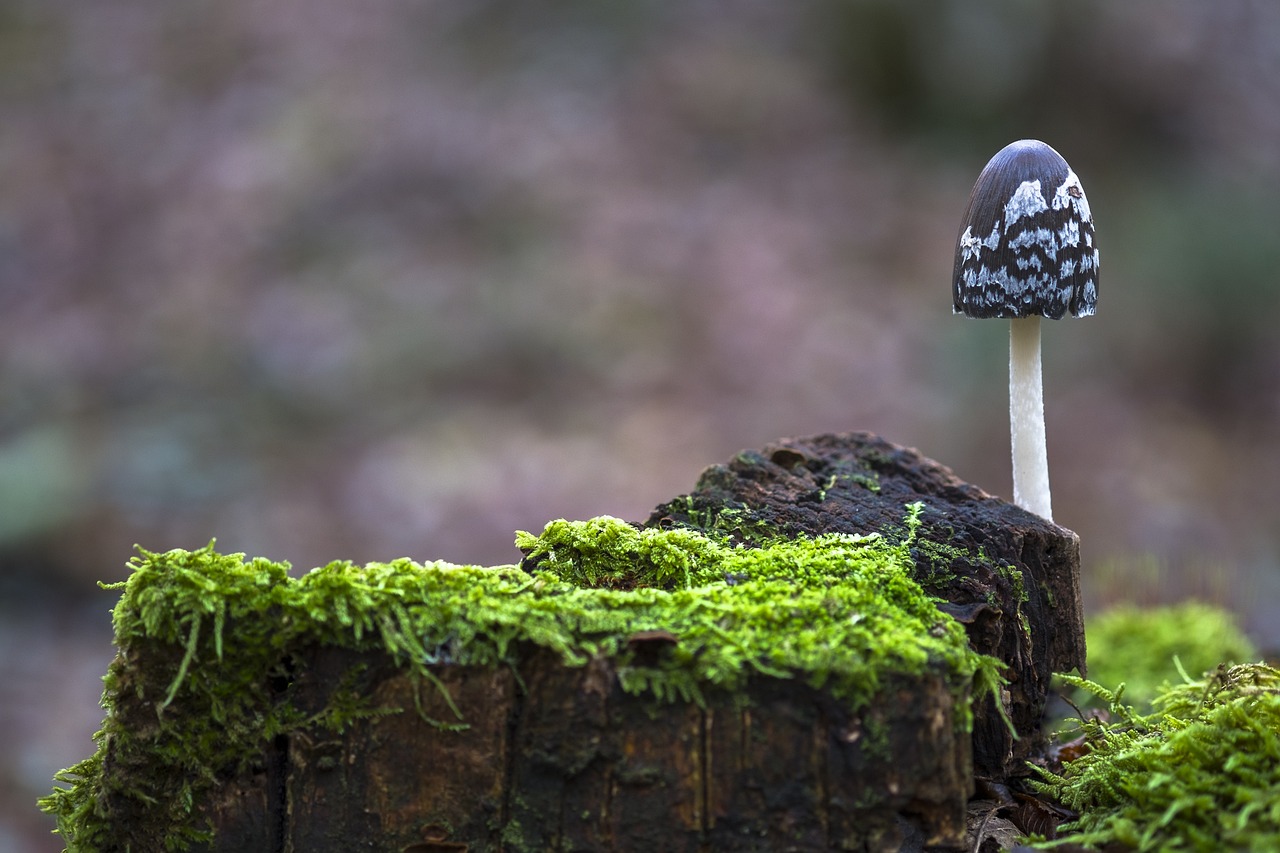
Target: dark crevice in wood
<point>519,695</point>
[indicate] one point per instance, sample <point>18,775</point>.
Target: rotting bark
<point>1031,618</point>
<point>572,763</point>
<point>532,754</point>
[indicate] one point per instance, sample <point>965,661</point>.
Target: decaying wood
<point>551,757</point>
<point>859,483</point>
<point>572,763</point>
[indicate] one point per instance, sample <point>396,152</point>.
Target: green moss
<point>513,835</point>
<point>1194,766</point>
<point>938,562</point>
<point>837,612</point>
<point>607,552</point>
<point>870,482</point>
<point>1014,578</point>
<point>1143,648</point>
<point>1200,774</point>
<point>724,521</point>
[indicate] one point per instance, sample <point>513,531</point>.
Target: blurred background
<point>367,280</point>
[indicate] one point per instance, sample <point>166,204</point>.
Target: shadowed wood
<point>536,755</point>
<point>1011,577</point>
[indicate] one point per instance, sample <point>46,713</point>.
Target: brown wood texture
<point>573,763</point>
<point>559,758</point>
<point>1031,618</point>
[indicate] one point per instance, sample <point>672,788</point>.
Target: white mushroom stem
<point>1026,418</point>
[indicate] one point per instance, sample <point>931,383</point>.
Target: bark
<point>552,757</point>
<point>860,483</point>
<point>570,762</point>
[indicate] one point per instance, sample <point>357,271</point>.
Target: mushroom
<point>1026,250</point>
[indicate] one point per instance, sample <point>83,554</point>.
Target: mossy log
<point>1012,578</point>
<point>560,758</point>
<point>765,665</point>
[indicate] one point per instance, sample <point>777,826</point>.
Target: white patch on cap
<point>1041,237</point>
<point>1090,299</point>
<point>1027,200</point>
<point>971,246</point>
<point>1063,197</point>
<point>1069,233</point>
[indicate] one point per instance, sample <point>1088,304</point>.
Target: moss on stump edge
<point>209,645</point>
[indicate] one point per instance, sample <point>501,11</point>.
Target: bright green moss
<point>837,612</point>
<point>1137,647</point>
<point>608,552</point>
<point>1202,773</point>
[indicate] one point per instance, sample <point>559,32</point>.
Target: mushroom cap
<point>1026,245</point>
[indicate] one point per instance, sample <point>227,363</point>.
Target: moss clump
<point>1200,774</point>
<point>221,635</point>
<point>608,553</point>
<point>1143,648</point>
<point>838,611</point>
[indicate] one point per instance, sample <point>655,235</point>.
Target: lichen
<point>1199,774</point>
<point>222,636</point>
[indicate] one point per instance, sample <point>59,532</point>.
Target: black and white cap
<point>1026,244</point>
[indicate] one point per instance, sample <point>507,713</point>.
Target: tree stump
<point>569,761</point>
<point>439,708</point>
<point>1011,577</point>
